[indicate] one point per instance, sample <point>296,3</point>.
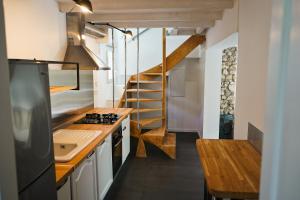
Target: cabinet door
<point>64,192</point>
<point>126,138</point>
<point>84,183</point>
<point>104,167</point>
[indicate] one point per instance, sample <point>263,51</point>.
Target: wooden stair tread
<point>146,82</point>
<point>131,100</point>
<point>170,139</point>
<point>147,121</point>
<point>152,74</point>
<point>143,90</point>
<point>144,110</point>
<point>161,131</point>
<point>169,145</point>
<point>155,136</point>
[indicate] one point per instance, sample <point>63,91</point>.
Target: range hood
<point>76,49</point>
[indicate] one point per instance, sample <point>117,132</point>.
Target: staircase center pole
<point>125,57</point>
<point>138,78</point>
<point>113,66</point>
<point>164,80</point>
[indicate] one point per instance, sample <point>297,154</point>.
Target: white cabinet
<point>126,138</point>
<point>64,192</point>
<point>84,182</point>
<point>104,167</point>
<point>92,179</point>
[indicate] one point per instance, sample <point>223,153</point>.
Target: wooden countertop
<point>231,168</point>
<point>65,168</point>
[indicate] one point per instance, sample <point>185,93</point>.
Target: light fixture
<point>126,32</point>
<point>85,5</point>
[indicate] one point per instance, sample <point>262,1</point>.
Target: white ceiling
<point>155,13</point>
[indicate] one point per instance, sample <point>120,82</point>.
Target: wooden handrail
<point>173,59</point>
<point>183,50</point>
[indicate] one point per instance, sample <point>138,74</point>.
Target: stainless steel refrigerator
<point>31,116</point>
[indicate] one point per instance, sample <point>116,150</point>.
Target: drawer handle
<point>102,143</point>
<point>117,144</point>
<point>90,154</point>
<point>124,128</point>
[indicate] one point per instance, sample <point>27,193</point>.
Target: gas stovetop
<point>95,118</point>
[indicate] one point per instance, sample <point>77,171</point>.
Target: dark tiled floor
<point>160,178</point>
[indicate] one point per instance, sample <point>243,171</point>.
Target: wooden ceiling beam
<point>151,6</point>
<point>164,24</point>
<point>161,16</point>
<point>160,4</point>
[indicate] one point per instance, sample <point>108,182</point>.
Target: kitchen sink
<point>68,143</point>
<point>62,149</point>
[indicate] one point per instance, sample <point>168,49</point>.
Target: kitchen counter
<point>64,169</point>
<point>231,168</point>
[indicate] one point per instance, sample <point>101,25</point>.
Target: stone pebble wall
<point>228,82</point>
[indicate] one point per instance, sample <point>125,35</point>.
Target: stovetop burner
<point>95,118</point>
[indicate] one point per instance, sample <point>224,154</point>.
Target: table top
<point>231,168</point>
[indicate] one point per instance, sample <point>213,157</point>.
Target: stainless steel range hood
<point>77,50</point>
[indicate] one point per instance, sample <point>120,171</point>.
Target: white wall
<point>150,50</point>
<point>225,27</point>
<point>219,37</point>
<point>35,29</point>
<point>201,90</point>
<point>212,85</point>
<point>185,110</point>
<point>254,27</point>
<point>8,180</point>
<point>103,87</point>
<point>281,161</point>
<point>253,30</point>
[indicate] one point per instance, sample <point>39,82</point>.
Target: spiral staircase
<point>139,93</point>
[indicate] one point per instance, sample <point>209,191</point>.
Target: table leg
<point>205,191</point>
<point>207,196</point>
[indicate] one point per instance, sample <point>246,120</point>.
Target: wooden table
<point>231,168</point>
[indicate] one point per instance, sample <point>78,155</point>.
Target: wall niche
<point>228,82</point>
<point>228,88</point>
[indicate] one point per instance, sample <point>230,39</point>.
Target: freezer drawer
<point>37,189</point>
